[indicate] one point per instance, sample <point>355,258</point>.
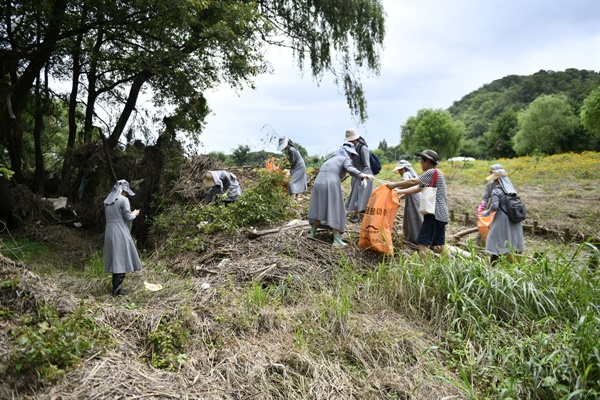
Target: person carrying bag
<point>433,231</point>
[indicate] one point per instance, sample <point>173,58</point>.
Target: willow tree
<point>112,51</point>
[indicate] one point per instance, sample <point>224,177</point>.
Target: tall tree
<point>590,117</point>
<point>179,49</point>
<point>241,155</point>
<point>499,140</point>
<point>432,129</point>
<point>548,126</point>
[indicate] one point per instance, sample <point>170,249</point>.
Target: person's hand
<point>367,176</point>
<point>136,212</point>
<point>480,208</point>
<point>399,193</point>
<point>486,213</point>
<point>390,185</point>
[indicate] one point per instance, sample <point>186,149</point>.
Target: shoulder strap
<point>434,179</point>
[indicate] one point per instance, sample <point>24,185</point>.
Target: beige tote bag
<point>428,195</point>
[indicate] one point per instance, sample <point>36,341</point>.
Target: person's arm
<point>211,195</point>
<point>487,193</point>
<point>494,202</point>
<point>128,215</point>
<point>411,190</point>
<point>292,156</point>
<point>404,184</point>
<point>355,172</point>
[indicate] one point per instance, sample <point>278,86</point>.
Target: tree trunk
<point>21,87</point>
<point>38,128</point>
<point>134,92</point>
<point>66,169</point>
<point>92,78</point>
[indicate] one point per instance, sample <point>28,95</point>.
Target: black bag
<point>373,159</point>
<point>515,209</point>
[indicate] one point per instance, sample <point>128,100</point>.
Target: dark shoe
<point>354,219</point>
<point>117,285</point>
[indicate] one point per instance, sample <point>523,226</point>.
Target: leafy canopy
<point>432,129</point>
<point>545,126</point>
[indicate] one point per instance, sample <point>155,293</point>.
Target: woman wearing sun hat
<point>361,190</point>
<point>505,236</point>
<point>487,192</point>
<point>433,231</point>
<point>120,254</point>
<point>221,182</point>
<point>327,199</point>
<point>412,220</point>
<point>297,181</point>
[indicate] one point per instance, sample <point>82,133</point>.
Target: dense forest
<point>491,114</point>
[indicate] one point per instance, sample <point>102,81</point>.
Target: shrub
<point>49,345</point>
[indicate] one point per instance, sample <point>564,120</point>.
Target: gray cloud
<point>435,53</point>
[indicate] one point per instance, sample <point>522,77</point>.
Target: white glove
<point>363,183</point>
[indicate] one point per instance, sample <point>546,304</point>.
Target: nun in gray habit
<point>327,200</point>
<point>221,182</point>
<point>487,192</point>
<point>413,219</point>
<point>120,254</point>
<point>297,182</point>
<point>361,190</point>
<point>505,236</point>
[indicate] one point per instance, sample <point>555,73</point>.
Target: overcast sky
<point>435,53</point>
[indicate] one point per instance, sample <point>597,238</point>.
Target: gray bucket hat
<point>430,155</point>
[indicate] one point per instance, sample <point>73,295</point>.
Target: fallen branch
<point>466,232</point>
<point>253,234</point>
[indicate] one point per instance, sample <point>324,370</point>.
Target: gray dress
<point>297,182</point>
<point>120,254</point>
<point>504,236</point>
<point>413,219</point>
<point>327,199</point>
<point>359,196</point>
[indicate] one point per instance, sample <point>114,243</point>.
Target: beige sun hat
<point>351,134</point>
<point>208,179</point>
<point>498,173</point>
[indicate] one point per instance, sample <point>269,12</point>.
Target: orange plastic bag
<point>484,224</point>
<point>271,166</point>
<point>378,221</point>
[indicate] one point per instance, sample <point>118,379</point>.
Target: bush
<point>187,228</point>
<point>49,345</point>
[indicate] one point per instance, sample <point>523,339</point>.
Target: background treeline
<point>547,112</point>
<point>544,113</point>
